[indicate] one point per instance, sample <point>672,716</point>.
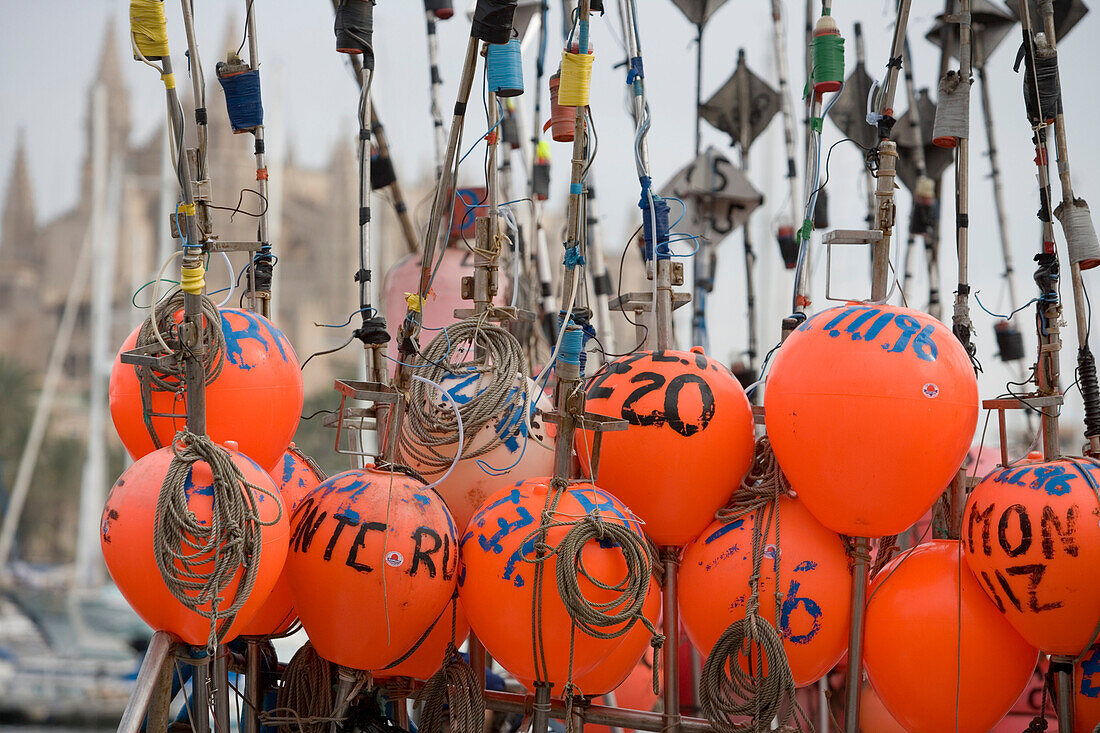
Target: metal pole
<point>344,686</point>
<point>219,674</point>
<point>156,658</point>
<point>662,266</point>
<point>802,269</point>
<point>1063,676</point>
<point>995,174</point>
<point>880,278</point>
<point>1080,305</point>
<point>854,685</point>
<point>513,703</point>
<point>869,180</point>
<point>200,694</point>
<point>750,256</point>
<point>601,279</point>
<point>253,691</point>
<point>259,301</point>
<point>780,50</point>
<point>104,233</point>
<point>961,323</point>
<point>698,89</point>
<point>670,657</point>
<point>440,136</point>
<point>198,85</point>
<point>931,239</point>
<point>381,141</point>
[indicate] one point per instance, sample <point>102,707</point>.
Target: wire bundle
<point>242,100</point>
<point>354,29</point>
<point>503,66</point>
<point>952,121</point>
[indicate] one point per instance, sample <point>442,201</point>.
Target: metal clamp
<point>365,418</point>
<point>597,424</point>
<point>869,237</point>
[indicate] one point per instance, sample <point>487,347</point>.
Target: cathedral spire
<point>18,216</point>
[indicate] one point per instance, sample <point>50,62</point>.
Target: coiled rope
<point>170,378</point>
<point>430,429</point>
<point>453,694</point>
<point>305,700</point>
<point>604,620</point>
<point>199,560</point>
<point>767,690</point>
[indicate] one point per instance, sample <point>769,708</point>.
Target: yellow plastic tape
<point>414,301</point>
<point>169,80</point>
<point>576,79</point>
<point>191,279</point>
<point>186,209</point>
<point>148,27</point>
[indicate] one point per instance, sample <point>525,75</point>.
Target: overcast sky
<point>48,55</point>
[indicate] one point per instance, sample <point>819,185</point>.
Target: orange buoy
<point>873,715</point>
<point>255,401</point>
<point>1031,536</point>
<point>814,583</point>
<point>870,410</point>
<point>126,537</point>
<point>518,455</point>
<point>295,477</point>
<point>1086,692</point>
<point>690,426</point>
<point>611,672</point>
<point>498,574</point>
<point>931,630</point>
<point>371,565</point>
<point>428,657</point>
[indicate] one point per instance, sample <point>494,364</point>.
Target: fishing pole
<point>868,177</point>
<point>746,229</point>
<point>538,190</point>
<point>785,233</point>
<point>880,293</point>
<point>952,129</point>
<point>924,218</point>
<point>827,76</point>
<point>436,10</point>
<point>1083,249</point>
<point>654,209</point>
<point>241,84</point>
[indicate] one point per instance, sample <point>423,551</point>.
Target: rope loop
<point>452,696</point>
<point>501,399</point>
<point>747,672</point>
<point>200,560</point>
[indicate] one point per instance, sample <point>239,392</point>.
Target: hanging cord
<point>200,560</point>
<point>726,688</point>
<point>304,701</point>
<point>169,378</point>
<point>453,694</point>
<point>429,431</point>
